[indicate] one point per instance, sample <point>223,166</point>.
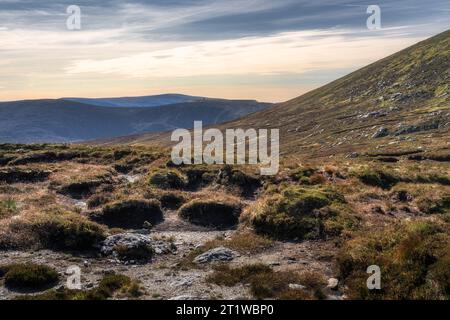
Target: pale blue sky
<point>262,49</point>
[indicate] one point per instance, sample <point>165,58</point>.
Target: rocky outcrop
<point>220,254</point>
<point>128,246</point>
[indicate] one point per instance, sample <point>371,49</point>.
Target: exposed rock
<point>380,133</point>
<point>216,255</point>
<point>294,286</point>
<point>185,282</point>
<point>333,283</point>
<point>185,297</point>
<point>164,247</point>
<point>128,246</point>
<point>417,128</point>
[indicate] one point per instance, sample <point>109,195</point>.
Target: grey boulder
<point>219,254</point>
<point>128,246</point>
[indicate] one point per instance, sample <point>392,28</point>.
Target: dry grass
<point>265,283</point>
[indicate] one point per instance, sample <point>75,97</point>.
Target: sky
<point>268,50</point>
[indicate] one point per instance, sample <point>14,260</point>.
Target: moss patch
<point>110,286</point>
<point>300,213</point>
<point>28,276</point>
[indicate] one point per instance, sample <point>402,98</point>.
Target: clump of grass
<point>98,200</point>
<point>8,208</point>
<point>217,213</point>
<point>378,178</point>
<point>29,276</point>
<point>67,231</point>
<point>110,286</point>
<point>245,242</point>
<point>245,183</point>
<point>129,214</point>
<point>172,200</point>
<point>434,205</point>
<point>414,258</point>
<point>302,174</point>
<point>167,179</point>
<point>299,213</point>
<point>266,283</point>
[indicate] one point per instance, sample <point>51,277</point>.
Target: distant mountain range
<point>401,102</point>
<point>68,120</point>
<point>138,102</point>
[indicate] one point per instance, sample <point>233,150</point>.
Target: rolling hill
<point>400,102</point>
<point>68,121</point>
<point>138,102</point>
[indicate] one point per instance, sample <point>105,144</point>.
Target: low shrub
<point>8,207</point>
<point>29,276</point>
<point>378,178</point>
<point>298,213</point>
<point>16,175</point>
<point>414,258</point>
<point>266,283</point>
<point>246,183</point>
<point>434,205</point>
<point>211,213</point>
<point>98,200</point>
<point>110,286</point>
<point>130,214</point>
<point>172,201</point>
<point>81,189</point>
<point>67,231</point>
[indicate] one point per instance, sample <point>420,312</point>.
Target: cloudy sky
<point>270,50</point>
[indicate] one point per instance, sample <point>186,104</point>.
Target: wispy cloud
<point>298,52</point>
<point>147,45</point>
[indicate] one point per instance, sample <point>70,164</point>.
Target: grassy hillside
<point>400,102</point>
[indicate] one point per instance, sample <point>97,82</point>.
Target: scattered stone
<point>215,255</point>
<point>333,283</point>
<point>184,282</point>
<point>380,133</point>
<point>274,264</point>
<point>353,155</point>
<point>185,297</point>
<point>164,247</point>
<point>128,246</point>
<point>294,286</point>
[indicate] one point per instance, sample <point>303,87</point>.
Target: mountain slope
<point>138,102</point>
<point>402,101</point>
<point>66,121</point>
